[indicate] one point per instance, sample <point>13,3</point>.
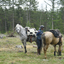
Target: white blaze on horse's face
<point>17,29</point>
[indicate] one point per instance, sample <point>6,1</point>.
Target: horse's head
<point>18,28</point>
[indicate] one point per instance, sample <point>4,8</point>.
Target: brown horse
<point>48,38</point>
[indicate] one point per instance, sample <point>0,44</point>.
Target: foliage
<point>28,16</point>
<point>28,24</point>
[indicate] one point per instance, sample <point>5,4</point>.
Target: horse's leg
<point>59,50</point>
<point>45,49</point>
<point>60,46</point>
<point>54,50</point>
<point>24,43</point>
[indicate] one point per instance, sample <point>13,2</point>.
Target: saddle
<point>55,33</point>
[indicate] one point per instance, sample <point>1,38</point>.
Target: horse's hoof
<point>25,51</point>
<point>54,55</point>
<point>45,57</point>
<point>59,53</point>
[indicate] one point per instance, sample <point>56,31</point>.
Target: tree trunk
<point>13,15</point>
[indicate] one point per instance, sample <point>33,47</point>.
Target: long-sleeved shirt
<point>39,33</point>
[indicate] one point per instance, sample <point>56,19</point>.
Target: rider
<point>39,40</point>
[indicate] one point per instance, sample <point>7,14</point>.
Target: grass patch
<point>11,55</point>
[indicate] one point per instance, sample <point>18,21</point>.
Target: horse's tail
<point>43,39</point>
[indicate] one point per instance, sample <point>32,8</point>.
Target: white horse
<point>26,34</point>
<point>23,36</point>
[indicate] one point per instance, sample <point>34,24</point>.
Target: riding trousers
<point>39,43</point>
